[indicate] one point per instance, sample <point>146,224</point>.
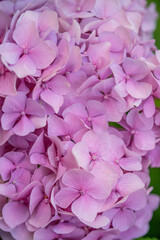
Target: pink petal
<point>14,104</point>
<point>24,67</point>
<point>99,54</point>
<point>24,127</point>
<point>137,200</point>
<point>129,183</point>
<point>64,228</point>
<point>66,196</point>
<point>22,232</point>
<point>59,85</point>
<point>8,120</point>
<point>77,179</point>
<point>51,98</point>
<point>105,9</point>
<point>15,213</point>
<point>144,140</point>
<point>85,208</point>
<point>149,107</point>
<point>34,108</point>
<point>124,219</point>
<point>26,35</point>
<point>42,55</point>
<point>135,69</point>
<point>48,21</point>
<point>8,84</point>
<point>44,233</point>
<point>36,197</point>
<point>81,154</point>
<point>10,52</point>
<point>138,89</point>
<point>6,167</point>
<point>41,215</point>
<point>130,163</point>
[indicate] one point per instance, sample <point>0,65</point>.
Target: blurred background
<point>155,172</point>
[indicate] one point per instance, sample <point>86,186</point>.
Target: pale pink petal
<point>129,183</point>
<point>149,107</point>
<point>15,213</point>
<point>10,52</point>
<point>144,140</point>
<point>99,54</point>
<point>14,104</point>
<point>130,163</point>
<point>53,99</point>
<point>21,232</point>
<point>135,69</point>
<point>77,179</point>
<point>24,67</point>
<point>48,21</point>
<point>36,197</point>
<point>6,167</point>
<point>24,127</point>
<point>44,233</point>
<point>64,228</point>
<point>124,219</point>
<point>8,84</point>
<point>81,154</point>
<point>85,208</point>
<point>103,9</point>
<point>66,196</point>
<point>42,55</point>
<point>137,200</point>
<point>8,120</point>
<point>34,108</point>
<point>41,215</point>
<point>138,89</point>
<point>59,85</point>
<point>26,35</point>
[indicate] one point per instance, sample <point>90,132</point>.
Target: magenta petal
<point>24,127</point>
<point>15,213</point>
<point>66,196</point>
<point>85,208</point>
<point>10,52</point>
<point>24,67</point>
<point>124,219</point>
<point>42,55</point>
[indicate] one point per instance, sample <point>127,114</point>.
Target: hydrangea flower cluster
<point>79,124</point>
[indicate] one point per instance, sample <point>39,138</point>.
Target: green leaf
<point>157,102</point>
<point>114,124</point>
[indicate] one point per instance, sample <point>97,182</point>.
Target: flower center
<point>22,113</point>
